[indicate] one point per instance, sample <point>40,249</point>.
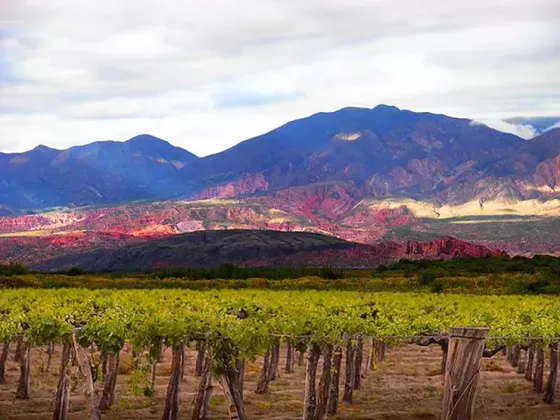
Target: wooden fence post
<point>464,359</point>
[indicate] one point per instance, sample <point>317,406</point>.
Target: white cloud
<point>524,131</point>
<point>207,74</point>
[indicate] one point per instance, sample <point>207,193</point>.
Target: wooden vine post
<point>3,360</point>
<point>553,377</point>
<point>62,399</point>
<point>85,369</point>
<point>466,346</point>
<point>310,394</point>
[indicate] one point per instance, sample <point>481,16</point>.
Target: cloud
<point>525,131</point>
<point>207,74</point>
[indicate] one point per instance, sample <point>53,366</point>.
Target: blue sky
<point>207,74</point>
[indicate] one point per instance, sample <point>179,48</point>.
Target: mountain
<point>362,175</point>
<point>385,151</point>
<point>143,167</point>
<point>254,247</point>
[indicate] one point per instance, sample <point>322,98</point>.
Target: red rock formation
<point>386,253</point>
<point>248,185</point>
<point>548,174</point>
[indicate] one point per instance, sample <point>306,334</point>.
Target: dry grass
<point>404,387</point>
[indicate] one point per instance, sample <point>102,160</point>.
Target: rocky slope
<point>250,247</point>
<point>333,209</point>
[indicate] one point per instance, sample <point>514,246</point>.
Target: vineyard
<point>334,337</point>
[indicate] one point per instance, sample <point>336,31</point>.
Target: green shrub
<point>13,270</point>
<point>232,272</point>
<point>75,271</point>
<point>427,278</point>
<point>437,286</point>
<point>330,273</point>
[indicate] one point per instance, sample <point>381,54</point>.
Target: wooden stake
<point>349,378</point>
<point>444,344</point>
<point>529,366</point>
<point>89,390</point>
<point>358,357</point>
<point>552,378</point>
<point>369,359</point>
<point>539,370</point>
<point>230,399</point>
<point>50,351</point>
<point>153,378</point>
<point>24,371</point>
<point>171,408</point>
<point>310,394</point>
<point>108,394</point>
<point>241,377</point>
<point>335,381</point>
<point>62,398</point>
<point>202,400</point>
<point>289,368</point>
<point>515,356</point>
<point>466,345</point>
<point>324,385</point>
<point>200,357</point>
<point>275,361</point>
<point>229,380</point>
<point>264,379</point>
<point>3,360</point>
<point>521,362</point>
<point>17,354</point>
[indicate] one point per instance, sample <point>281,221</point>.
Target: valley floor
<point>406,385</point>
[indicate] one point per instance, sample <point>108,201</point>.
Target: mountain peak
<point>386,108</point>
<point>146,139</point>
<point>43,149</point>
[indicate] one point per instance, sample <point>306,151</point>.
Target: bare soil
<point>407,385</point>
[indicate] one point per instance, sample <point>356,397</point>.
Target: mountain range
<point>364,175</point>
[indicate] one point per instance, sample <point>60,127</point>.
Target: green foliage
<point>75,271</point>
<point>230,271</point>
<point>437,286</point>
<point>330,273</point>
<point>241,324</point>
<point>454,267</point>
<point>13,270</point>
<point>427,278</point>
<point>139,383</point>
<point>538,275</point>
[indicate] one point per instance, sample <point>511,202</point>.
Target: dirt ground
<point>406,385</point>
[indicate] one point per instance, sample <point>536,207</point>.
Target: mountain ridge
<point>260,247</point>
<point>103,172</point>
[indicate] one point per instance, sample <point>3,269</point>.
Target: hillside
<point>385,151</point>
<point>255,247</point>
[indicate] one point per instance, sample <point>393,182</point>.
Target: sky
<point>207,74</point>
